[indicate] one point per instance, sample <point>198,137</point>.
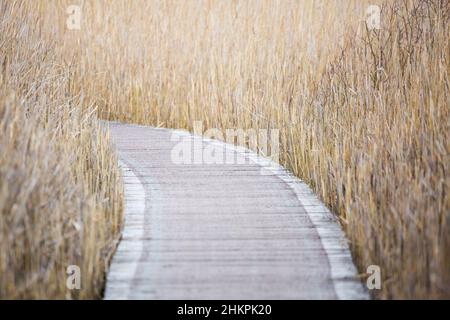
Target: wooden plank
<point>222,231</point>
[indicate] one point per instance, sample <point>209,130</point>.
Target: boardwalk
<point>221,231</point>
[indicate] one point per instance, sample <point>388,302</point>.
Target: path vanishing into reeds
<point>245,230</point>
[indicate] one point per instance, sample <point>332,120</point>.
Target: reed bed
<point>60,191</point>
<point>362,113</point>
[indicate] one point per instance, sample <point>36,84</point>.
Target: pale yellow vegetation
<point>363,114</point>
<point>60,191</point>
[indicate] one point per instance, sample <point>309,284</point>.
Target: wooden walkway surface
<point>221,231</point>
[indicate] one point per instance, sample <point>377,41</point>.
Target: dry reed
<point>363,114</point>
<point>60,192</point>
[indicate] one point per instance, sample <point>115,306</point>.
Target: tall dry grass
<point>60,193</point>
<point>363,114</point>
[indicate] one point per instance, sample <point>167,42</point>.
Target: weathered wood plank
<point>221,231</point>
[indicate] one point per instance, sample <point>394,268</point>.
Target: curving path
<point>247,230</point>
